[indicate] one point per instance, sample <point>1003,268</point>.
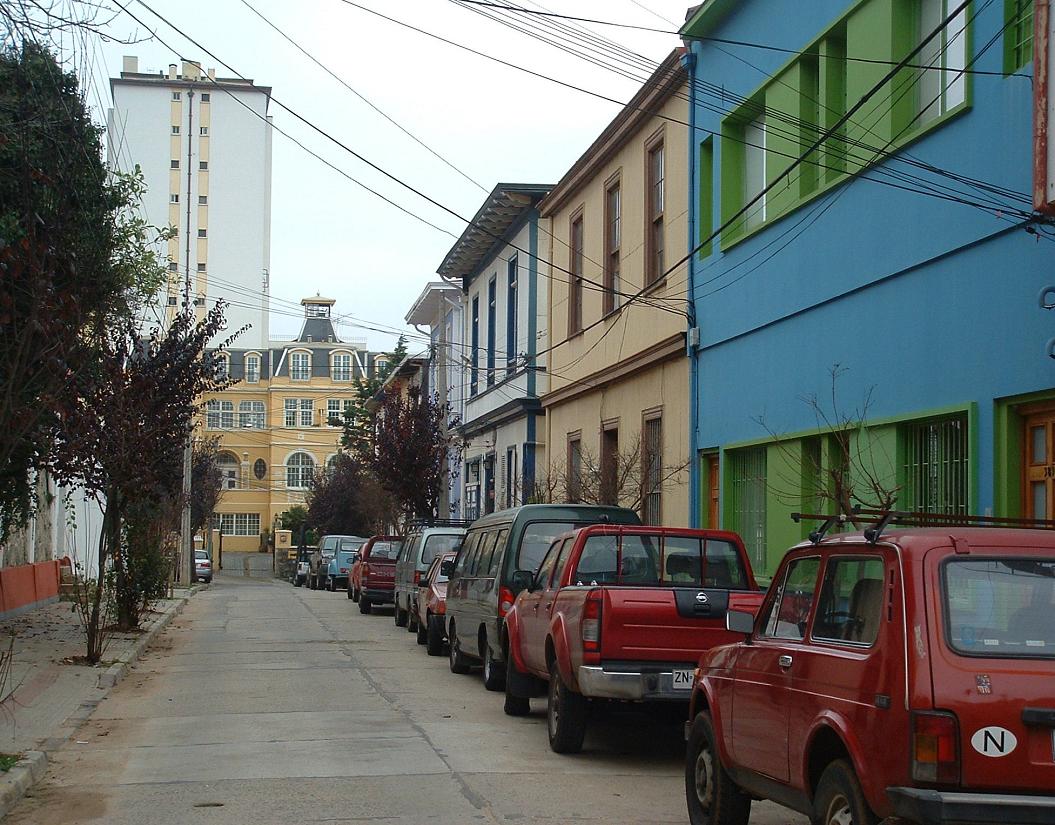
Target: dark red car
<point>621,612</point>
<point>911,677</point>
<point>431,605</point>
<point>373,577</point>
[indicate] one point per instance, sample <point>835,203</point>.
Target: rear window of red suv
<point>385,549</point>
<point>1000,608</point>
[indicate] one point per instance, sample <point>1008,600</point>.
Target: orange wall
<point>27,584</point>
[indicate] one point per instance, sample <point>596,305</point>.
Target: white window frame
<point>755,171</point>
<point>230,469</point>
<point>219,414</point>
<point>252,415</point>
<point>299,472</point>
<point>298,373</point>
<point>341,372</point>
<point>943,87</point>
<point>252,376</point>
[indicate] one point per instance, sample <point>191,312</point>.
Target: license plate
<point>682,680</point>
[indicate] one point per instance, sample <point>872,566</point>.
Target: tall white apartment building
<point>203,144</point>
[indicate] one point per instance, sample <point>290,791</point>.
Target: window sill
<point>654,287</point>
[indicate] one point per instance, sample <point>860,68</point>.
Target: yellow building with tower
<point>280,421</point>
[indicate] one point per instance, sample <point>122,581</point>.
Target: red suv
<point>908,675</point>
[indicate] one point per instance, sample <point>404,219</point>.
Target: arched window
<point>341,366</point>
<point>252,368</point>
<point>230,471</point>
<point>300,366</point>
<point>331,463</point>
<point>299,469</point>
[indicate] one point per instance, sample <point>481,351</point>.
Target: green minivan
<point>481,589</point>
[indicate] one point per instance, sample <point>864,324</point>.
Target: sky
<point>494,123</point>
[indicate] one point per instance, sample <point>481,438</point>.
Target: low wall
<point>26,586</point>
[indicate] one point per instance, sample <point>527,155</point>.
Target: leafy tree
<point>358,422</point>
<point>121,437</point>
<point>293,520</point>
<point>206,485</point>
<point>408,450</point>
<point>344,500</point>
<point>75,260</point>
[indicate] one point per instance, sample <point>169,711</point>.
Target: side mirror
<point>739,621</point>
<point>447,567</point>
<point>522,580</point>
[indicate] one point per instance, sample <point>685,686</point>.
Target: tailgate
<point>993,633</point>
<point>667,624</point>
<point>381,571</point>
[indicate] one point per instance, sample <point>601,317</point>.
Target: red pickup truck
<point>621,612</point>
<point>373,579</point>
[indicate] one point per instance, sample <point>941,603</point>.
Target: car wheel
<point>514,705</point>
<point>494,676</point>
<point>296,581</point>
<point>458,662</point>
<point>839,799</point>
<point>351,593</point>
<point>354,594</point>
<point>434,638</point>
<point>364,605</point>
<point>401,617</point>
<point>566,715</point>
<point>423,632</point>
<point>412,619</point>
<point>712,796</point>
<point>311,582</point>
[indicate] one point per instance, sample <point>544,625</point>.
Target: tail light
<point>591,623</point>
<point>417,577</point>
<point>364,572</point>
<point>505,601</point>
<point>935,748</point>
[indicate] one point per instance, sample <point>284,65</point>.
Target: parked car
<point>910,676</point>
<point>621,613</point>
<point>339,567</point>
<point>302,569</point>
<point>325,551</point>
<point>425,540</point>
<point>431,604</point>
<point>202,566</point>
<point>374,574</point>
<point>481,590</point>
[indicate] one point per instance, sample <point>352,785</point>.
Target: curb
<point>30,769</point>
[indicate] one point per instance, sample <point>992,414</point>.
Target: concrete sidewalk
<point>50,695</point>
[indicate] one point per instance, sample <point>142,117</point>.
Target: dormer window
<point>300,366</point>
<point>223,366</point>
<point>341,367</point>
<point>252,368</point>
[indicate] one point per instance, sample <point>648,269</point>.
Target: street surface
<point>266,704</point>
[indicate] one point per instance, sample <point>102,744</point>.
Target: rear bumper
<point>377,595</point>
<point>929,807</point>
<point>599,682</point>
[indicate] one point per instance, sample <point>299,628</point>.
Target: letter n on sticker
<point>994,741</point>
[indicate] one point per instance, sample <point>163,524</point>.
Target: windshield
<point>1001,608</point>
<point>436,544</point>
<point>536,539</point>
<point>385,549</point>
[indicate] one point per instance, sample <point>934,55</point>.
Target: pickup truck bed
<point>623,613</point>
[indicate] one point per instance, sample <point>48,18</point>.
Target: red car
<point>373,577</point>
<point>909,675</point>
<point>431,604</point>
<point>621,612</point>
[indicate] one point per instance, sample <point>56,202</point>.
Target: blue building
<point>866,321</point>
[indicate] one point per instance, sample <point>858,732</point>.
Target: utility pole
<point>441,387</point>
<point>187,561</point>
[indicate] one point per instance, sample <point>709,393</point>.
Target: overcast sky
<point>492,122</point>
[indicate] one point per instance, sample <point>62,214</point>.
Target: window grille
<point>653,471</point>
<point>300,366</point>
<point>747,487</point>
<point>299,470</point>
<point>936,466</point>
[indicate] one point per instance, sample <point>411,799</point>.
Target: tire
<point>412,619</point>
<point>364,606</point>
<point>296,581</point>
<point>494,676</point>
<point>355,594</point>
<point>351,594</point>
<point>514,705</point>
<point>331,584</point>
<point>839,794</point>
<point>566,714</point>
<point>401,616</point>
<point>313,583</point>
<point>712,796</point>
<point>434,636</point>
<point>423,633</point>
<point>458,662</point>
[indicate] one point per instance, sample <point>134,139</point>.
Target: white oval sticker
<point>994,741</point>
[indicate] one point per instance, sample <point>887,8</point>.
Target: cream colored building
<point>618,371</point>
<point>281,421</point>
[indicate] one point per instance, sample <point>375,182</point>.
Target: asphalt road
<point>267,704</point>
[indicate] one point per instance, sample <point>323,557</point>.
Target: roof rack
<point>439,522</point>
<point>881,519</point>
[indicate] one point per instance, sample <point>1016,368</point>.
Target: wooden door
<point>711,501</point>
<point>1038,461</point>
